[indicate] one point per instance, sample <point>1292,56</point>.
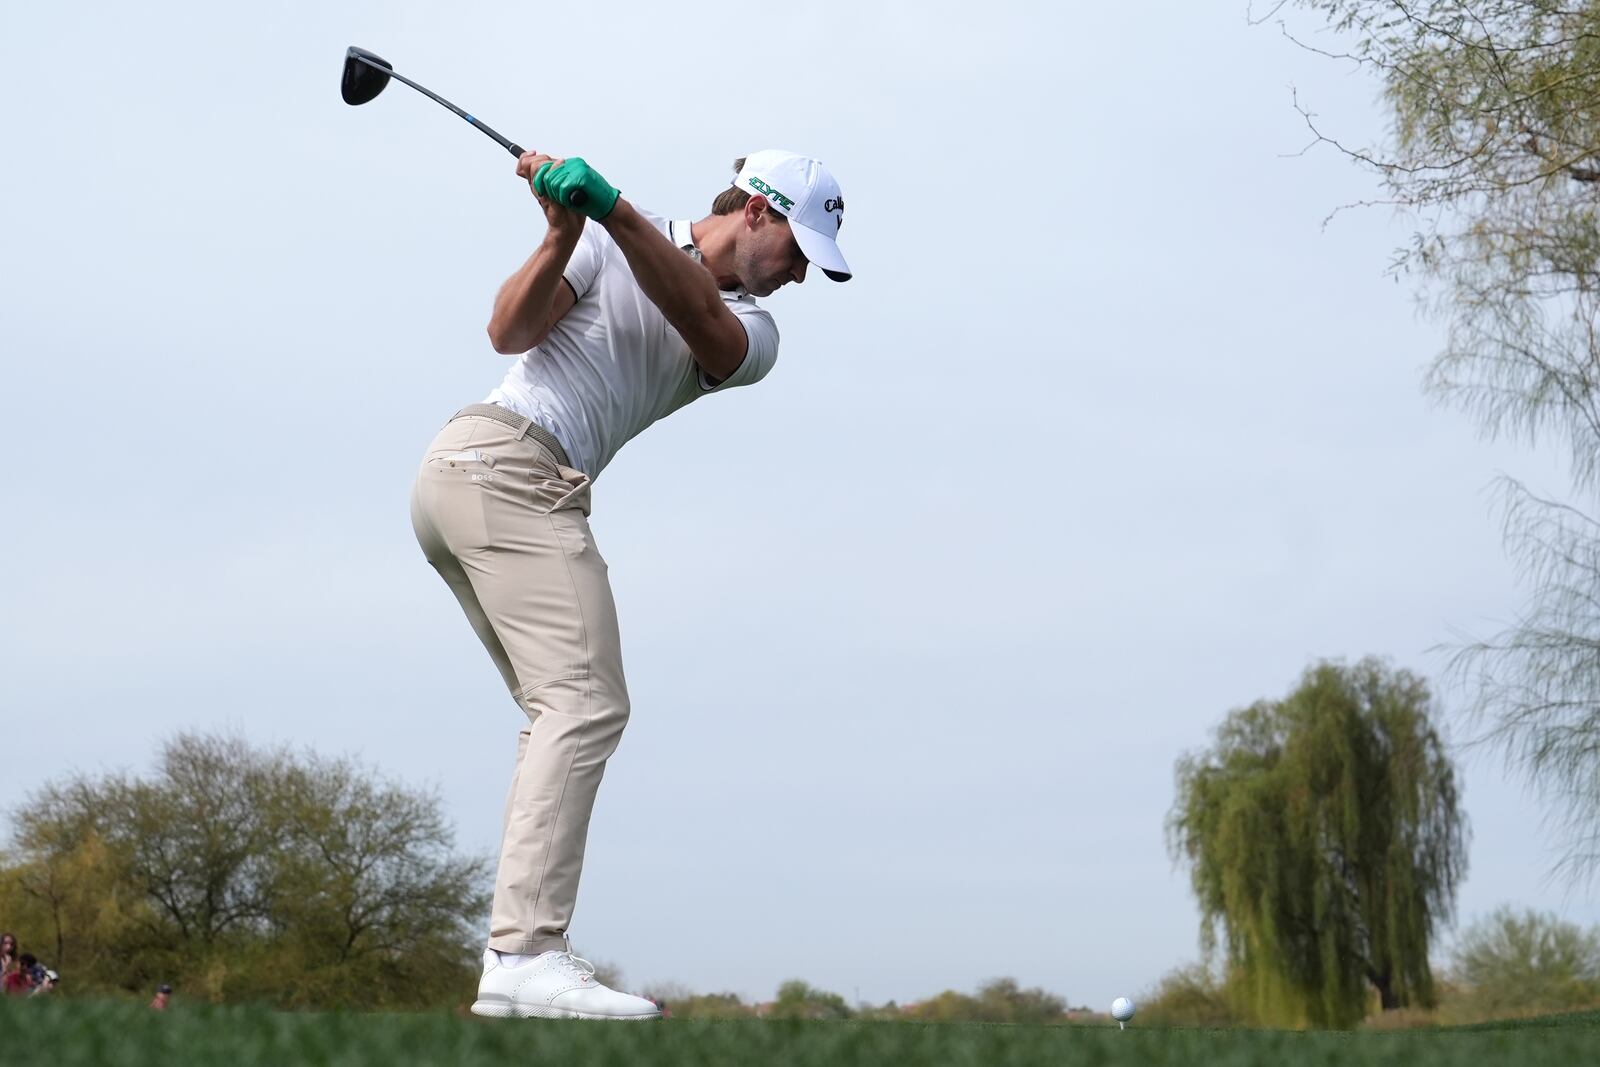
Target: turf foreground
<point>67,1032</point>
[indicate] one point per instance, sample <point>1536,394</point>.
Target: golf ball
<point>1122,1009</point>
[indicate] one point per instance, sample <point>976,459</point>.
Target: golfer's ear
<point>754,208</point>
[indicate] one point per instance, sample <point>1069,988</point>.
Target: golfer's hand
<point>560,180</point>
<point>563,221</point>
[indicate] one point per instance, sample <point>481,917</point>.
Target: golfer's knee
<point>611,709</point>
<point>603,705</point>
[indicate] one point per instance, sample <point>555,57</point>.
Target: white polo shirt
<point>613,364</point>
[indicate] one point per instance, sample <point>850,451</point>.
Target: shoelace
<point>576,965</point>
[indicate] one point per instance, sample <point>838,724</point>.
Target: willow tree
<point>1494,153</point>
<point>1325,842</point>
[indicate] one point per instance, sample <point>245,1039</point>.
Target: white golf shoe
<point>553,985</point>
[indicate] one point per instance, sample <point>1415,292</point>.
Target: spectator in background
<point>8,953</point>
<point>47,984</point>
<point>18,981</point>
<point>162,998</point>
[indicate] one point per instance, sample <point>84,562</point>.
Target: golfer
<point>619,318</point>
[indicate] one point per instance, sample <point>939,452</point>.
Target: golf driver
<point>365,75</point>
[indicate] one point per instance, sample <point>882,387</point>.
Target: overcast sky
<point>1108,436</point>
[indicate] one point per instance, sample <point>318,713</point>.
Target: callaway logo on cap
<point>802,190</point>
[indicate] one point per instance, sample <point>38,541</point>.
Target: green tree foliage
<point>1525,963</point>
<point>998,1001</point>
<point>1324,839</point>
<point>684,1003</point>
<point>242,873</point>
<point>797,1000</point>
<point>1188,996</point>
<point>60,896</point>
<point>1495,152</point>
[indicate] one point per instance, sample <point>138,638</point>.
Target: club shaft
<point>514,149</point>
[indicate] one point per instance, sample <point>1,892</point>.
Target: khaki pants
<point>507,528</point>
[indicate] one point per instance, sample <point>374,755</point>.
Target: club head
<point>365,75</point>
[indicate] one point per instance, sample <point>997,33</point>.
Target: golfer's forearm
<point>522,307</point>
<point>685,291</point>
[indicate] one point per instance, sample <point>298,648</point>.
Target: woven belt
<point>524,427</point>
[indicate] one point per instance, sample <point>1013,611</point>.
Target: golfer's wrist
<point>621,216</point>
<point>561,240</point>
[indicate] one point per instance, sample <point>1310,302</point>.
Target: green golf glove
<point>574,176</point>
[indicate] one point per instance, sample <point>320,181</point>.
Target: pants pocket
<point>576,493</point>
<point>472,461</point>
<point>448,501</point>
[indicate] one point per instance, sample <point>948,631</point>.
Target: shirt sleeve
<point>760,353</point>
<point>584,266</point>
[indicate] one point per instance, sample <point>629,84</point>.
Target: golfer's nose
<point>799,272</point>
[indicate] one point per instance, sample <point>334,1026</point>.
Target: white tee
<point>613,364</point>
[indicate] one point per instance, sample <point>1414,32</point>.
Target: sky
<point>1110,434</point>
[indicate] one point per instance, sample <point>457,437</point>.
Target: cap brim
<point>821,250</point>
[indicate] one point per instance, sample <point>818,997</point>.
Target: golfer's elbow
<point>508,341</point>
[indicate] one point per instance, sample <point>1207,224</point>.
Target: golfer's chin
<point>765,289</point>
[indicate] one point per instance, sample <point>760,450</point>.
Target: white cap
<point>801,189</point>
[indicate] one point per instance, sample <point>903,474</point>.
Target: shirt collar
<point>681,233</point>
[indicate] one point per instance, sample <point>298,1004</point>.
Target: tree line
<point>1000,1000</point>
<point>243,874</point>
<point>237,873</point>
<point>1508,964</point>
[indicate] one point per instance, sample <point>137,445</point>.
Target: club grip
<point>577,198</point>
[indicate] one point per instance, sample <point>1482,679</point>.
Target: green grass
<point>105,1034</point>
